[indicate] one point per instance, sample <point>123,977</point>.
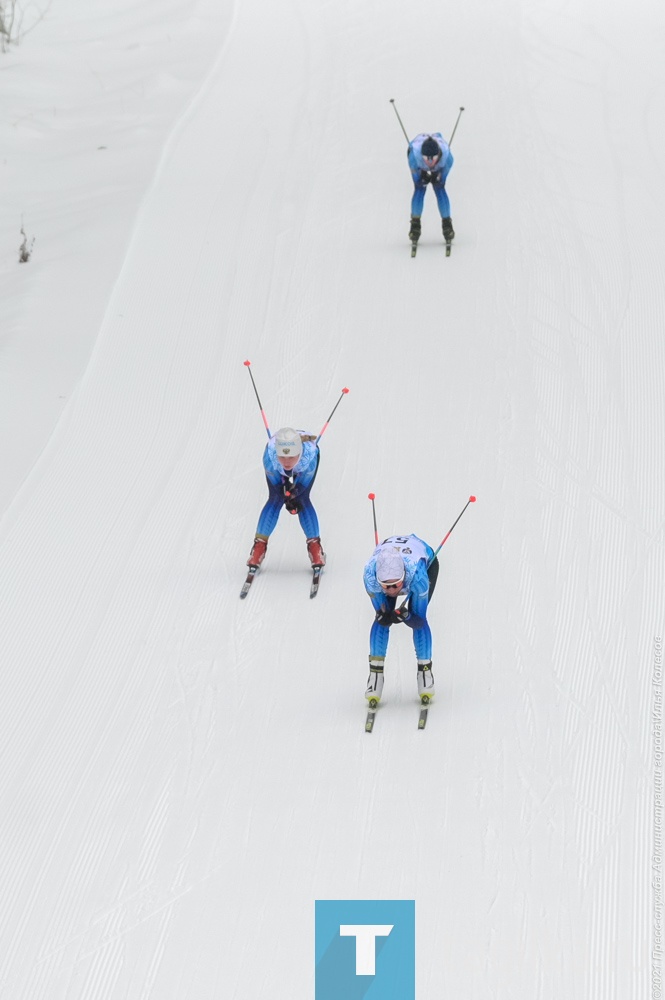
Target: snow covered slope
<point>184,774</point>
<point>87,101</point>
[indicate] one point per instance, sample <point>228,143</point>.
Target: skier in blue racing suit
<point>290,461</point>
<point>402,566</point>
<point>430,161</point>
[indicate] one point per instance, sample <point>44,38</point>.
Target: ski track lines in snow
<point>590,375</point>
<point>123,478</point>
<point>173,798</point>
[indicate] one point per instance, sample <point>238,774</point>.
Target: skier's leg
<point>267,522</point>
<point>425,680</point>
<point>374,688</point>
<point>378,640</point>
<point>444,208</point>
<point>378,647</point>
<point>417,202</point>
<point>309,523</point>
<point>418,199</point>
<point>422,642</point>
<point>442,199</point>
<point>432,575</point>
<point>272,509</point>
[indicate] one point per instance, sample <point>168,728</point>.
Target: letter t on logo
<point>365,935</point>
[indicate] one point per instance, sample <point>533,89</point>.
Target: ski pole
<point>325,426</point>
<point>392,101</point>
<point>455,129</point>
<point>470,500</point>
<point>372,496</point>
<point>265,419</point>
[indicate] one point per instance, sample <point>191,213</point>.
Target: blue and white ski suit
<point>416,555</point>
<point>438,175</point>
<point>297,484</point>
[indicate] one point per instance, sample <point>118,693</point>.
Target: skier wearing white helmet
<point>402,566</point>
<point>291,461</point>
<point>430,161</point>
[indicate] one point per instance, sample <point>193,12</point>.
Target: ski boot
<point>257,555</point>
<point>425,681</point>
<point>317,556</point>
<point>414,231</point>
<point>375,681</point>
<point>448,231</point>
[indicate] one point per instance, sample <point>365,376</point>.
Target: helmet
<point>430,148</point>
<point>288,443</point>
<point>389,566</point>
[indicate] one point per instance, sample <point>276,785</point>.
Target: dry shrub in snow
<point>12,27</point>
<point>25,249</point>
<point>7,18</point>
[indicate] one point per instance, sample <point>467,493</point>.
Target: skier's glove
<point>436,178</point>
<point>425,177</point>
<point>385,618</point>
<point>291,501</point>
<point>401,615</point>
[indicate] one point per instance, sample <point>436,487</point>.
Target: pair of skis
<point>253,570</point>
<point>374,706</point>
<point>414,248</point>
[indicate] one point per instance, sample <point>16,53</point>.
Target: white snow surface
<point>183,774</point>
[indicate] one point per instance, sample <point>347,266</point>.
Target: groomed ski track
<point>183,773</point>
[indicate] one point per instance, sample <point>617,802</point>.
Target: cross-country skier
<point>430,161</point>
<point>291,461</point>
<point>403,565</point>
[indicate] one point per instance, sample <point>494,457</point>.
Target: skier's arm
<point>445,167</point>
<point>385,609</point>
<point>274,479</point>
<point>418,599</point>
<point>420,178</point>
<point>378,600</point>
<point>306,476</point>
<point>417,173</point>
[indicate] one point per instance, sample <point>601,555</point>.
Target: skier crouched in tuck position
<point>403,565</point>
<point>291,461</point>
<point>430,161</point>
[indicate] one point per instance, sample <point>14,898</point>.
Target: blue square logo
<point>365,948</point>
